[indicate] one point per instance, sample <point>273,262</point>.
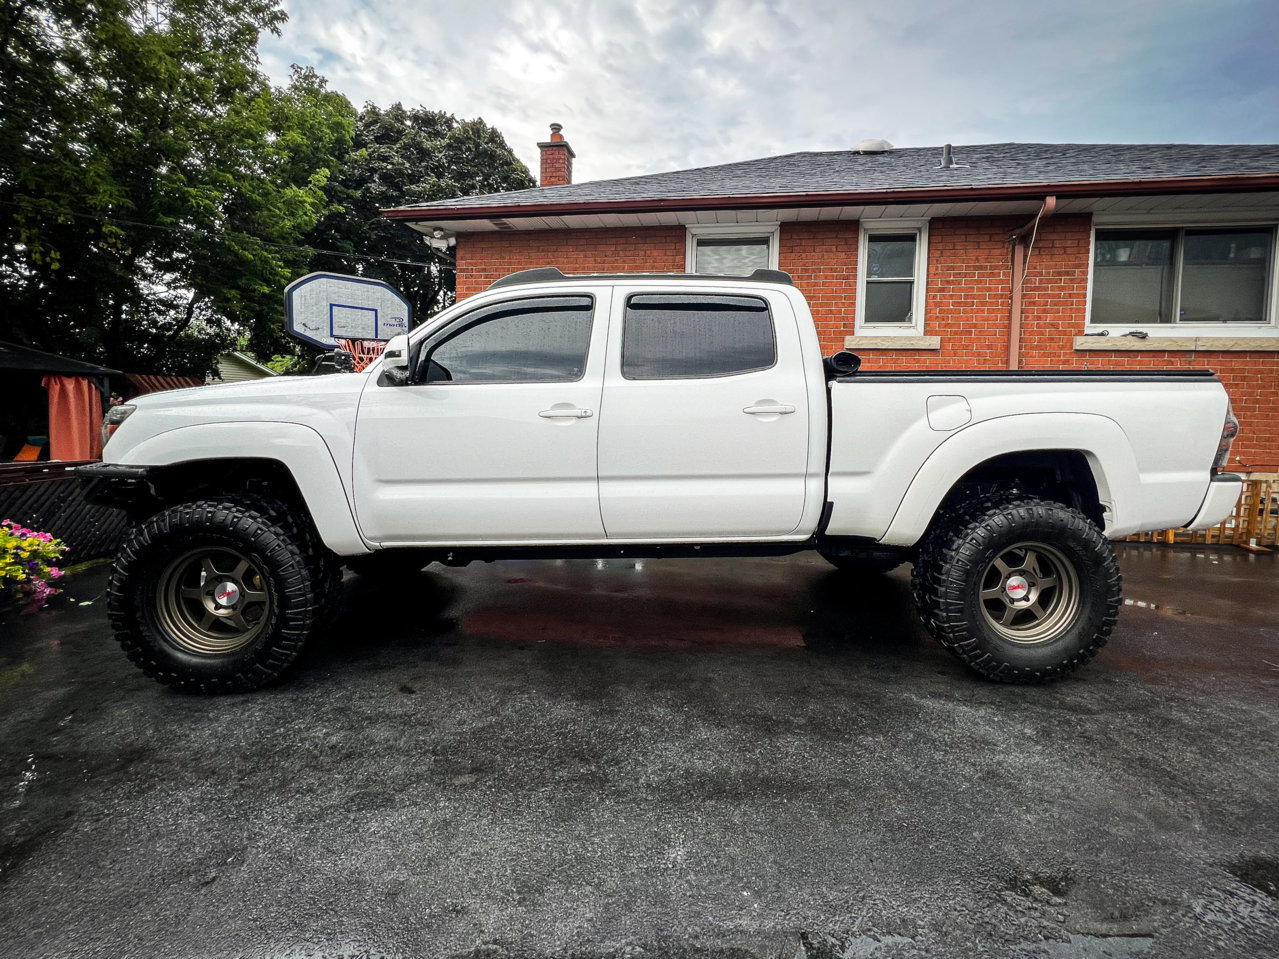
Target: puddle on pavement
<point>1260,872</point>
<point>636,629</point>
<point>1171,610</point>
<point>1089,947</point>
<point>880,946</point>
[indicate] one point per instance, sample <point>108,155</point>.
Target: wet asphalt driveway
<point>746,758</point>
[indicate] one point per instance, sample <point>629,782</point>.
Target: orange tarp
<point>75,418</point>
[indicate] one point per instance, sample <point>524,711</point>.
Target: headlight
<point>115,416</point>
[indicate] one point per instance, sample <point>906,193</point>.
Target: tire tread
<point>948,551</point>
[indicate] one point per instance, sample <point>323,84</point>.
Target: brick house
<point>999,256</point>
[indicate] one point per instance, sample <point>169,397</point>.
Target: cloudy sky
<point>644,86</point>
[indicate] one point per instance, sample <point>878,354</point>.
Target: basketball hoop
<point>359,315</point>
<point>363,351</point>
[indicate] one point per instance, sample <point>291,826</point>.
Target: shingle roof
<point>990,165</point>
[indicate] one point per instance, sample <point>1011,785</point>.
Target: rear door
<point>704,433</point>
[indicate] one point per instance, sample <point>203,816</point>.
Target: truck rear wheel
<point>1021,589</point>
<point>212,597</point>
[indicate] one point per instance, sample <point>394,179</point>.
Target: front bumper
<point>1223,494</point>
<point>114,484</point>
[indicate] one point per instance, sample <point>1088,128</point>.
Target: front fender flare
<point>302,451</point>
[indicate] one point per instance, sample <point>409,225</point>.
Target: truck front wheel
<point>212,597</point>
<point>1021,589</point>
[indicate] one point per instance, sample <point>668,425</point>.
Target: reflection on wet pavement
<point>748,758</point>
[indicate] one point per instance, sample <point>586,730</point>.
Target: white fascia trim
<point>1155,331</point>
<point>724,231</point>
<point>867,228</point>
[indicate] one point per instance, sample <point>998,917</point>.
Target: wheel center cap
<point>1017,587</point>
<point>226,594</point>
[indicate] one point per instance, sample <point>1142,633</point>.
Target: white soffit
<point>1176,203</point>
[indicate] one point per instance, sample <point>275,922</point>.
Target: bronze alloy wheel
<point>212,602</point>
<point>1030,593</point>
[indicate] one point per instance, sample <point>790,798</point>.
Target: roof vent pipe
<point>947,160</point>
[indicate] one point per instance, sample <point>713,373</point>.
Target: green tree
<point>154,188</point>
<point>401,156</point>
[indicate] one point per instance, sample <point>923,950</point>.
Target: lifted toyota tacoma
<point>648,415</point>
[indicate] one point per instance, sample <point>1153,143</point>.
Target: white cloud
<point>652,85</point>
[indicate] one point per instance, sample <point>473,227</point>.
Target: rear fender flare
<point>1100,439</point>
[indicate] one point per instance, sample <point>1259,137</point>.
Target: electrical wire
<point>447,264</point>
<point>1030,248</point>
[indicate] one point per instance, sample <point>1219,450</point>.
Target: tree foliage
<point>402,156</point>
<point>157,193</point>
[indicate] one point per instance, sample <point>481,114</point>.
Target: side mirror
<point>395,355</point>
<point>395,361</point>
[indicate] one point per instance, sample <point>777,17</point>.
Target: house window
<point>890,287</point>
<point>735,250</point>
<point>1183,276</point>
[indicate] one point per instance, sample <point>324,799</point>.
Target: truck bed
<point>1149,438</point>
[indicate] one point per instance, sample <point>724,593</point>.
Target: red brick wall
<point>485,257</point>
<point>822,259</point>
<point>557,166</point>
<point>969,272</point>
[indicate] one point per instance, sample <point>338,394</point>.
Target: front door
<point>494,441</point>
<point>705,430</point>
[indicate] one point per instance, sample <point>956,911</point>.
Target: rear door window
<point>683,336</point>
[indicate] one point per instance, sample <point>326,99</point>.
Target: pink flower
<point>54,572</point>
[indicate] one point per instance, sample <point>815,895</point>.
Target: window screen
<point>1181,276</point>
<point>538,340</point>
<point>890,278</point>
<point>1223,276</point>
<point>735,256</point>
<point>1133,276</point>
<point>669,337</point>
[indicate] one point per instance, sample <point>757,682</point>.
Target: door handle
<point>756,410</point>
<point>556,413</point>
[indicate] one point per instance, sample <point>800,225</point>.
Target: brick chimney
<point>557,159</point>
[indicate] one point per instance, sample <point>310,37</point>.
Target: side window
<point>670,336</point>
<point>536,340</point>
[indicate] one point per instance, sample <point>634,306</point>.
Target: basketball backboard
<point>322,308</point>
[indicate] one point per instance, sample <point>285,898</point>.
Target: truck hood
<point>326,404</point>
<point>273,389</point>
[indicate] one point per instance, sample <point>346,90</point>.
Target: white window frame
<point>730,231</point>
<point>868,229</point>
<point>1270,327</point>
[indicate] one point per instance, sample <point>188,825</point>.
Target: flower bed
<point>27,563</point>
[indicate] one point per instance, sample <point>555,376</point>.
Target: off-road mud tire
<point>152,548</point>
<point>326,568</point>
<point>955,560</point>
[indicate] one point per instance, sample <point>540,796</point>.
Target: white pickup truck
<point>648,415</point>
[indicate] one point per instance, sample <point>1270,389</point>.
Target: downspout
<point>1021,252</point>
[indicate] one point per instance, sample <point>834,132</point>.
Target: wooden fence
<point>1253,525</point>
<point>46,497</point>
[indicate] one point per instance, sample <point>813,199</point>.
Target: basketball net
<point>364,351</point>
